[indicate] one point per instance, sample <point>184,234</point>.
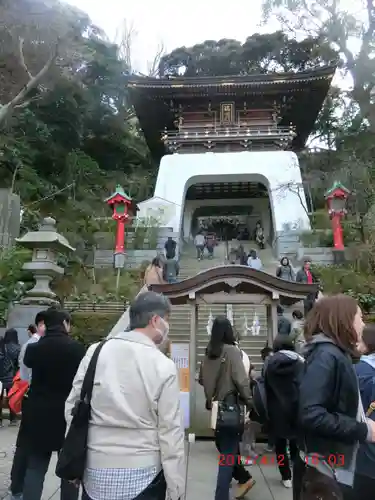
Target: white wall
<point>260,211</point>
<point>275,169</point>
<point>158,209</point>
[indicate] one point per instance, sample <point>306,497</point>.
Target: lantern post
<point>120,202</point>
<point>336,198</point>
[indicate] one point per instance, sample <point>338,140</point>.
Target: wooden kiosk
<point>227,285</point>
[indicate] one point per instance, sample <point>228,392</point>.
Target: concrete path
<point>202,470</point>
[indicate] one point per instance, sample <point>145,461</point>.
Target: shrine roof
<point>119,193</point>
<point>300,95</point>
<point>235,279</point>
<point>176,84</point>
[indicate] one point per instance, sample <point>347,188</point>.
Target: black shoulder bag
<point>71,461</point>
<point>230,412</point>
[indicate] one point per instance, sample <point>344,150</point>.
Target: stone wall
<point>103,257</point>
<point>134,258</point>
<point>320,256</point>
<point>288,243</point>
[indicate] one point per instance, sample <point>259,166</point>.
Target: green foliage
<point>320,220</point>
<point>347,279</point>
<point>260,53</point>
<point>92,327</point>
<point>342,26</point>
<point>65,151</point>
<point>317,238</point>
<point>11,262</point>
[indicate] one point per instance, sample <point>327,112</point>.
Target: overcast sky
<point>195,21</point>
<point>161,21</point>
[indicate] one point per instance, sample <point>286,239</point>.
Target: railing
<point>103,307</point>
<point>212,136</point>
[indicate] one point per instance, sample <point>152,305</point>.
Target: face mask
<point>164,331</point>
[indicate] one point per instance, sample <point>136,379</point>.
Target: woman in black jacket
<point>224,378</point>
<point>331,417</point>
<point>9,353</point>
<point>54,361</point>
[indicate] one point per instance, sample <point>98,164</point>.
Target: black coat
<point>282,374</point>
<point>54,361</point>
<point>9,364</point>
<point>328,402</point>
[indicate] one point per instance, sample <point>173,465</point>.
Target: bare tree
<point>21,99</point>
<point>296,188</point>
<point>32,52</point>
<point>333,23</point>
<point>124,38</point>
<point>153,66</point>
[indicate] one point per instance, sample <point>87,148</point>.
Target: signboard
<point>180,355</point>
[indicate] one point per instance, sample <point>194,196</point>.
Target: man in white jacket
<point>136,437</point>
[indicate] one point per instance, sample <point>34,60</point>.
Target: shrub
<point>346,279</point>
<point>90,327</point>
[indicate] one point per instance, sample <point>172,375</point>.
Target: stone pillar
<point>46,244</point>
<point>10,217</point>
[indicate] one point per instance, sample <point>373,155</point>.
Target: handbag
<point>71,461</point>
<point>17,393</point>
<point>228,414</point>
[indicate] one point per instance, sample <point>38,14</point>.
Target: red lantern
<point>336,201</point>
<point>120,203</point>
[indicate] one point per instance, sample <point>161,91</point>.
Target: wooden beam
<point>274,319</point>
<point>241,298</point>
<point>193,360</point>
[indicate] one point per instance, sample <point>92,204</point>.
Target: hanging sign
<point>180,355</point>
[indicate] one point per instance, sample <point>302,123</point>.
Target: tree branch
<point>295,188</point>
<point>22,58</point>
<point>153,67</point>
<point>369,34</point>
<point>7,109</point>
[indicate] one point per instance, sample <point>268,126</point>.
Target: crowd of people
<point>135,447</point>
<point>315,398</point>
<point>317,405</point>
<point>163,268</point>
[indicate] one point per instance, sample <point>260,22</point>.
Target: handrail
<point>222,132</point>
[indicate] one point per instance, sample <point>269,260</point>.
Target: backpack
<point>260,407</point>
<point>16,393</point>
<point>6,364</point>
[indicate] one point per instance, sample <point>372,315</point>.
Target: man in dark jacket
<point>305,275</point>
<point>171,270</point>
<point>284,326</point>
<point>364,479</point>
<point>54,361</point>
<point>170,248</point>
<point>282,374</point>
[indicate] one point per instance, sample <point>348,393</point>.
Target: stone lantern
<point>47,244</point>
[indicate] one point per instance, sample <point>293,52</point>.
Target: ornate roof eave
<point>217,279</point>
<point>337,186</point>
<point>181,83</point>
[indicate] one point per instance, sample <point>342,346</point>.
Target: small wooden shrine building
<point>227,285</point>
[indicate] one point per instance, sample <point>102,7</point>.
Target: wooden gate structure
<point>227,285</point>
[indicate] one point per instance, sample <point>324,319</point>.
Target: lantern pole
<point>336,198</point>
<point>120,203</point>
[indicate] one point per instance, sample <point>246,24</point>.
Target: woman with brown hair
<point>154,272</point>
<point>332,422</point>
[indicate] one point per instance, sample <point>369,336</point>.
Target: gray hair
<point>145,306</point>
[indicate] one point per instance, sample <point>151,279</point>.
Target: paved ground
<point>202,471</point>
